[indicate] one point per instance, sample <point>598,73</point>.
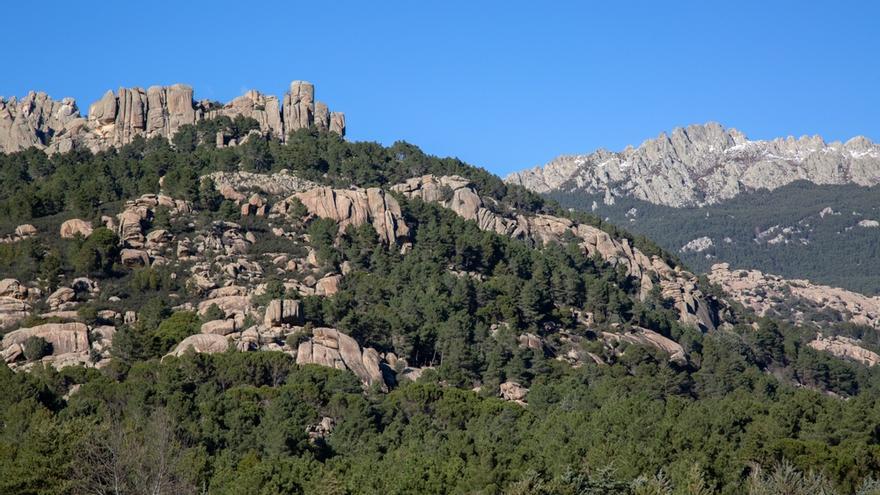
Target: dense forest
<point>827,247</point>
<point>751,409</point>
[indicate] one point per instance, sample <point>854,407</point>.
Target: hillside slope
<point>828,234</point>
<point>322,316</point>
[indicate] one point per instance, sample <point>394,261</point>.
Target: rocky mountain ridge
<point>37,120</point>
<point>705,164</point>
<point>796,300</point>
<point>217,264</point>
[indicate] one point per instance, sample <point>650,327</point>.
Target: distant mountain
<point>826,233</point>
<point>705,164</point>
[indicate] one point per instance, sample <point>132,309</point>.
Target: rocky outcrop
<point>74,227</point>
<point>299,106</point>
<point>794,299</point>
<point>138,212</point>
<point>513,392</point>
<point>845,348</point>
<point>201,343</point>
<point>237,186</point>
<point>117,118</point>
<point>263,108</point>
<point>65,338</point>
<point>21,233</point>
<point>357,207</point>
<point>705,164</point>
<point>38,120</point>
<point>332,348</point>
<point>282,312</point>
<point>455,193</point>
<point>650,338</point>
<point>15,302</point>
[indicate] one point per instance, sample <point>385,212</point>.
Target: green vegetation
<point>829,249</point>
<point>35,348</point>
<point>238,422</point>
<point>753,408</point>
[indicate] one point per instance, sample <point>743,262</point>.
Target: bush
<point>214,313</point>
<point>35,348</point>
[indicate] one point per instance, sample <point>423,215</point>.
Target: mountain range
<point>702,165</point>
<point>800,208</point>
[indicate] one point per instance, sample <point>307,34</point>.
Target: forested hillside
<point>172,314</point>
<point>826,233</point>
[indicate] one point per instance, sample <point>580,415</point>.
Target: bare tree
<point>131,458</point>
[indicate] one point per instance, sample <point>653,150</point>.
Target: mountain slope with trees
<point>469,360</point>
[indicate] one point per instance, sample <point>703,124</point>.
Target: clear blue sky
<point>504,85</point>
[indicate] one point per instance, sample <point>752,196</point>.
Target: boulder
<point>26,230</point>
<point>357,207</point>
<point>513,391</point>
<point>331,348</point>
<point>65,338</point>
<point>134,258</point>
<point>130,228</point>
<point>531,341</point>
<point>60,298</point>
<point>158,237</point>
<point>282,311</point>
<point>201,343</point>
<point>228,192</point>
<point>73,227</point>
<point>219,327</point>
<point>10,287</point>
<point>229,304</point>
<point>328,286</point>
<point>12,311</point>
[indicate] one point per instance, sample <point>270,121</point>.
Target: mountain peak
<point>114,120</point>
<point>704,164</point>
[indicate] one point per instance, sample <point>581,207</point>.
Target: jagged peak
<point>117,117</point>
<point>706,163</point>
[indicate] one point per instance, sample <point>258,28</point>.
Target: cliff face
<point>57,126</point>
<point>705,164</point>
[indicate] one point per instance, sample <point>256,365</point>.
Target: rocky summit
<point>705,164</point>
<point>37,120</point>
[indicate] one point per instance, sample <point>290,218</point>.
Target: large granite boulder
<point>332,348</point>
<point>73,227</point>
<point>65,338</point>
<point>357,207</point>
<point>281,312</point>
<point>201,343</point>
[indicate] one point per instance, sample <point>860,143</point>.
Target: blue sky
<point>503,85</point>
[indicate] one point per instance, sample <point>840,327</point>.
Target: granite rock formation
<point>794,299</point>
<point>357,207</point>
<point>706,164</point>
<point>117,118</point>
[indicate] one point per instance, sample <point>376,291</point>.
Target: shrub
<point>35,348</point>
